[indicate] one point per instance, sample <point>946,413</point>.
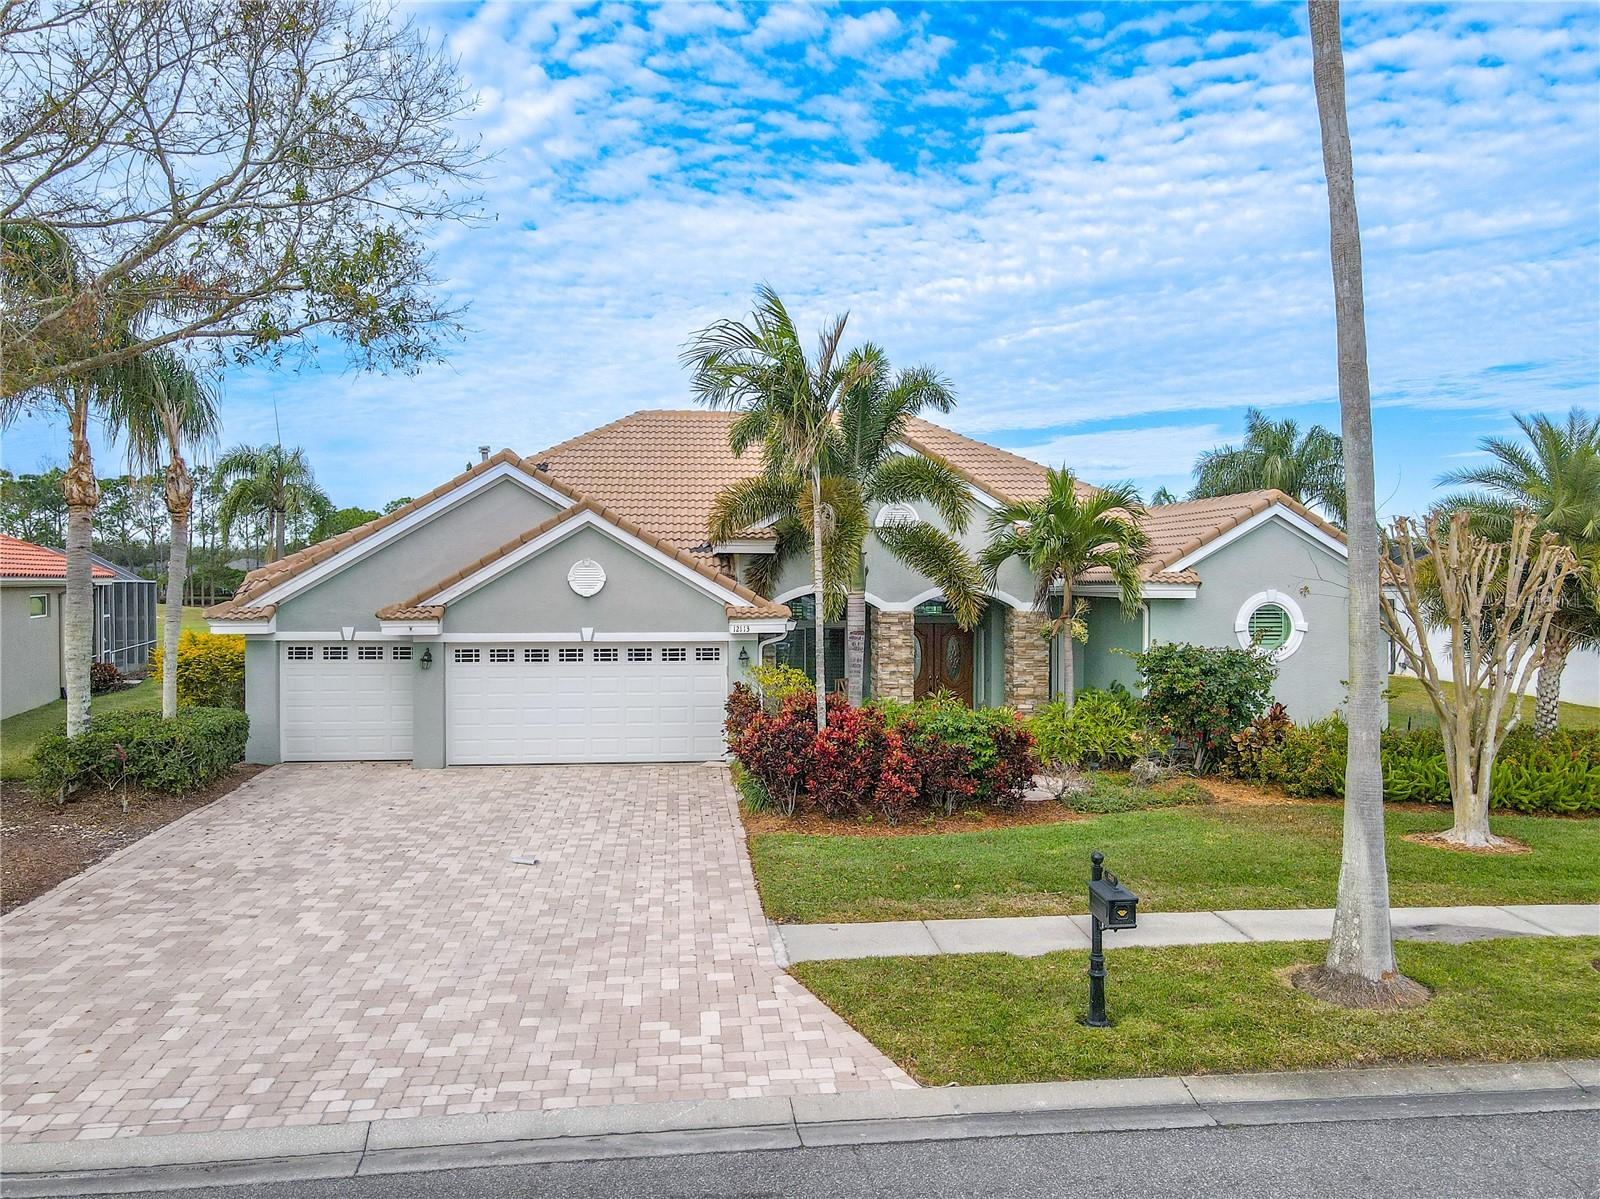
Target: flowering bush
<point>860,766</point>
<point>777,683</point>
<point>777,747</point>
<point>210,669</point>
<point>1201,696</point>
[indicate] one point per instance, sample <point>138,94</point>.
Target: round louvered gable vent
<point>586,576</point>
<point>896,514</point>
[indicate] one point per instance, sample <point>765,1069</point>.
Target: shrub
<point>195,747</point>
<point>753,796</point>
<point>1201,695</point>
<point>210,670</point>
<point>1100,729</point>
<point>777,683</point>
<point>103,677</point>
<point>1104,795</point>
<point>1250,745</point>
<point>777,748</point>
<point>1309,761</point>
<point>859,766</point>
<point>742,707</point>
<point>981,755</point>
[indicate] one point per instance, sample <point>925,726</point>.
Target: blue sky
<point>1107,225</point>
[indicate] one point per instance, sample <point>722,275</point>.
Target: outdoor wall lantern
<point>1111,906</point>
<point>744,656</point>
<point>426,661</point>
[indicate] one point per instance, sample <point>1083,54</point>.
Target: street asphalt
<point>1550,1155</point>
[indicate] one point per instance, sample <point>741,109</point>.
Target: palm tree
<point>1556,477</point>
<point>789,405</point>
<point>862,465</point>
<point>166,408</point>
<point>1274,454</point>
<point>39,268</point>
<point>1162,498</point>
<point>1064,534</point>
<point>1360,967</point>
<point>269,482</point>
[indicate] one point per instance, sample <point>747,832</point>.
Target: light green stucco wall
<point>1099,665</point>
<point>30,648</point>
<point>1273,556</point>
<point>408,564</point>
<point>261,658</point>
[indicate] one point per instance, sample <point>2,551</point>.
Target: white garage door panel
<point>506,704</point>
<point>348,701</point>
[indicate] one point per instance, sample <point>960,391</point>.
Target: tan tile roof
<point>1177,530</point>
<point>23,560</point>
<point>1006,476</point>
<point>756,611</point>
<point>228,610</point>
<point>265,578</point>
<point>414,608</point>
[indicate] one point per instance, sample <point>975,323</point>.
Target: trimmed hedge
<point>195,747</point>
<point>210,669</point>
<point>1557,773</point>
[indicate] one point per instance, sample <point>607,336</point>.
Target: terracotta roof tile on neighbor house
<point>263,579</point>
<point>23,560</point>
<point>416,609</point>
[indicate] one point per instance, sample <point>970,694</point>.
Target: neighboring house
<point>124,616</point>
<point>567,607</point>
<point>33,585</point>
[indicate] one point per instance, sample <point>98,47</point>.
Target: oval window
<point>1270,627</point>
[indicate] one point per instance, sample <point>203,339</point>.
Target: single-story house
<point>124,616</point>
<point>33,587</point>
<point>568,607</point>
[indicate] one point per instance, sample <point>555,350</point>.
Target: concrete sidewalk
<point>1030,936</point>
<point>635,1130</point>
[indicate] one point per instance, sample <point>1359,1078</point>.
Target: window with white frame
<point>467,655</point>
<point>607,654</point>
<point>675,653</point>
<point>38,605</point>
<point>536,655</point>
<point>402,653</point>
<point>570,655</point>
<point>301,653</point>
<point>1271,621</point>
<point>369,653</point>
<point>335,653</point>
<point>502,656</point>
<point>640,653</point>
<point>708,653</point>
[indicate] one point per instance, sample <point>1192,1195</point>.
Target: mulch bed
<point>46,843</point>
<point>975,821</point>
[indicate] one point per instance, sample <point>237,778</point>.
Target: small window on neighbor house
<point>466,655</point>
<point>502,655</point>
<point>570,655</point>
<point>675,653</point>
<point>607,654</point>
<point>708,653</point>
<point>402,653</point>
<point>1270,627</point>
<point>335,653</point>
<point>536,655</point>
<point>639,654</point>
<point>369,653</point>
<point>38,605</point>
<point>300,653</point>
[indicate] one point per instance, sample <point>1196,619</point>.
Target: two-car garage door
<point>584,703</point>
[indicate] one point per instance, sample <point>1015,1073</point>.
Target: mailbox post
<point>1111,906</point>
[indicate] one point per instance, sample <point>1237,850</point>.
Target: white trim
<point>746,545</point>
<point>429,511</point>
<point>755,628</point>
<point>409,628</point>
<point>249,627</point>
<point>1146,590</point>
<point>1297,621</point>
<point>1275,512</point>
<point>336,635</point>
<point>909,605</point>
<point>589,518</point>
<point>578,637</point>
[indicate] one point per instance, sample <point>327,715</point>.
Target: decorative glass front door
<point>943,660</point>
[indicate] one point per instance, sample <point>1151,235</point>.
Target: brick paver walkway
<point>352,942</point>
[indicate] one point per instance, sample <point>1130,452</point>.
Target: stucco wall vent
<point>586,576</point>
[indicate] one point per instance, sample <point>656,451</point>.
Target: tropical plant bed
<point>992,1018</point>
<point>47,843</point>
<point>1189,858</point>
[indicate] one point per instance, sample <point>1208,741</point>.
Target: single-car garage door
<point>346,700</point>
<point>584,703</point>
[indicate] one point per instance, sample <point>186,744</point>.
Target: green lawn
<point>20,733</point>
<point>1409,707</point>
<point>192,620</point>
<point>1177,859</point>
<point>992,1018</point>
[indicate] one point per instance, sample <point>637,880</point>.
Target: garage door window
<point>300,653</point>
<point>466,655</point>
<point>571,655</point>
<point>335,653</point>
<point>369,653</point>
<point>708,653</point>
<point>536,655</point>
<point>607,655</point>
<point>402,653</point>
<point>503,655</point>
<point>675,653</point>
<point>640,654</point>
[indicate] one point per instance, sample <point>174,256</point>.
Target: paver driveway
<point>343,942</point>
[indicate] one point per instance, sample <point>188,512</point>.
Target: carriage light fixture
<point>426,660</point>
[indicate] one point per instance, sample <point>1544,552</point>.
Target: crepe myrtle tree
<point>1359,970</point>
<point>237,175</point>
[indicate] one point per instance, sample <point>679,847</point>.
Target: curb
<point>184,1160</point>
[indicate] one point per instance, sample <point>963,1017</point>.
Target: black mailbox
<point>1113,904</point>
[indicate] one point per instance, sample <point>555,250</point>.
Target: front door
<point>944,660</point>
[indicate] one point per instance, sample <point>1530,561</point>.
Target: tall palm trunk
<point>1362,945</point>
<point>1068,683</point>
<point>279,519</point>
<point>77,618</point>
<point>819,658</point>
<point>855,634</point>
<point>1547,700</point>
<point>180,498</point>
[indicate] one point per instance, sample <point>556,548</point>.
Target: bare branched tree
<point>1497,599</point>
<point>235,173</point>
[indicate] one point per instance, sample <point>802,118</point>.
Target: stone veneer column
<point>1027,661</point>
<point>893,671</point>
